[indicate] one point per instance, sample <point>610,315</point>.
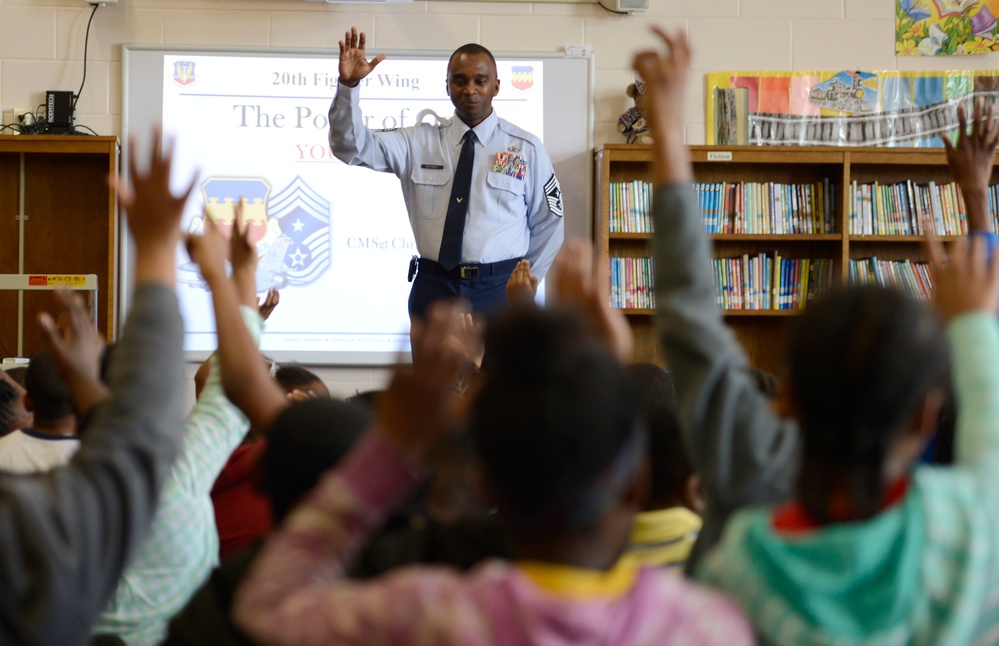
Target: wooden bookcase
<point>762,332</point>
<point>57,216</point>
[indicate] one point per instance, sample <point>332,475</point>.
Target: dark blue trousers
<point>486,292</point>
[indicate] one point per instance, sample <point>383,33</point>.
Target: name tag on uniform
<point>432,166</point>
<point>510,165</point>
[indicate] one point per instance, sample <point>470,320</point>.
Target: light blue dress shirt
<point>515,207</point>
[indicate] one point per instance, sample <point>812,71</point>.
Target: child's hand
<point>577,280</point>
<point>523,285</point>
<point>419,407</point>
<point>269,303</point>
<point>153,210</point>
<point>242,252</point>
<point>209,250</point>
<point>77,349</point>
<point>972,159</point>
<point>665,76</point>
<point>965,281</point>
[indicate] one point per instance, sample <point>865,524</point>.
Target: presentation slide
<point>335,239</point>
<point>252,123</point>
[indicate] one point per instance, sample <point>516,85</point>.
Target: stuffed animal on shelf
<point>633,124</point>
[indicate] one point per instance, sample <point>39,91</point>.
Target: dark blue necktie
<point>457,207</point>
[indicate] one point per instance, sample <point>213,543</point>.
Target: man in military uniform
<point>478,203</point>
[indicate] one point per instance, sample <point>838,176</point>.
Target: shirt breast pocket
<point>430,191</point>
<point>506,197</point>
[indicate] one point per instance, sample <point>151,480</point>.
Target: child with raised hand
<point>868,550</point>
<point>556,426</point>
<point>67,535</point>
<point>743,452</point>
<point>971,162</point>
<point>184,545</point>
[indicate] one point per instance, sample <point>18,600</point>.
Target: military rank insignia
<point>510,165</point>
<point>553,191</point>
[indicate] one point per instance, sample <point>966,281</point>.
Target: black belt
<point>470,269</point>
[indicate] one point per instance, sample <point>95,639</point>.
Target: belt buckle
<point>469,272</point>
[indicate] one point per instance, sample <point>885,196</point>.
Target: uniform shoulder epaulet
<point>516,131</point>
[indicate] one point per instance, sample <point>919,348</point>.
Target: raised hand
<point>77,349</point>
<point>354,64</point>
<point>523,285</point>
<point>419,406</point>
<point>967,281</point>
<point>269,302</point>
<point>971,161</point>
<point>153,210</point>
<point>665,74</point>
<point>579,281</point>
<point>244,258</point>
<point>209,250</point>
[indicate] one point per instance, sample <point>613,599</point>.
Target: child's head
<point>673,480</point>
<point>654,386</point>
<point>13,415</point>
<point>295,377</point>
<point>556,423</point>
<point>864,363</point>
<point>308,438</point>
<point>48,393</point>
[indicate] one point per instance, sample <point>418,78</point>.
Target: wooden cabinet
<point>799,170</point>
<point>57,216</point>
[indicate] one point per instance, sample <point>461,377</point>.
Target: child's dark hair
<point>294,376</point>
<point>8,400</point>
<point>308,438</point>
<point>654,385</point>
<point>555,415</point>
<point>861,362</point>
<point>670,465</point>
<point>48,392</point>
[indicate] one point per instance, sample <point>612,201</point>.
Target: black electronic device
<point>59,110</point>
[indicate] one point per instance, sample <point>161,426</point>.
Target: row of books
<point>630,207</point>
<point>631,283</point>
<point>770,282</point>
<point>913,278</point>
<point>994,206</point>
<point>766,281</point>
<point>734,207</point>
<point>767,207</point>
<point>900,208</point>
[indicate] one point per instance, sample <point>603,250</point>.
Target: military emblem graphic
<point>523,77</point>
<point>183,72</point>
<point>291,228</point>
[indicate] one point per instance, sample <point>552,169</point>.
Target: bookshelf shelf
<point>910,239</point>
<point>799,185</point>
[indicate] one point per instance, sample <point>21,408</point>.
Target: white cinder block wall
<point>41,48</point>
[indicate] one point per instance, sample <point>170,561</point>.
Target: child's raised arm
<point>971,162</point>
<point>967,296</point>
<point>743,451</point>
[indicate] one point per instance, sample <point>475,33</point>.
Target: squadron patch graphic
<point>291,229</point>
<point>522,77</point>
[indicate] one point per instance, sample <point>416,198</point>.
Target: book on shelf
<point>767,281</point>
<point>913,278</point>
<point>632,283</point>
<point>630,207</point>
<point>900,208</point>
<point>767,207</point>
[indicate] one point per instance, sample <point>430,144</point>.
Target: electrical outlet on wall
<point>102,3</point>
